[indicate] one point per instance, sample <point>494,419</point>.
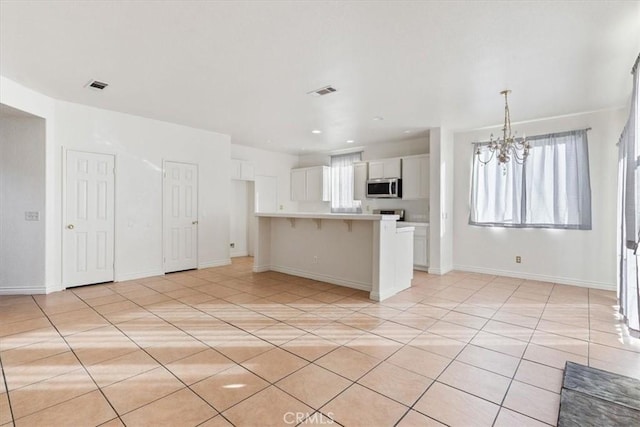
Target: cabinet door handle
<point>194,222</point>
<point>70,226</point>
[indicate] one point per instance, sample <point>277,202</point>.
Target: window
<point>550,190</point>
<point>342,183</point>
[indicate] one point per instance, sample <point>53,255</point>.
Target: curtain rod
<point>544,134</point>
<point>635,65</point>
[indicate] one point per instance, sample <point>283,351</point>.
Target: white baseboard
<point>261,268</point>
<point>215,263</point>
<point>438,271</point>
<point>540,277</point>
<point>30,290</point>
<point>138,275</point>
<point>320,277</point>
<point>239,253</point>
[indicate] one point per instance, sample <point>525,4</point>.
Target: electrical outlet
<point>233,245</point>
<point>518,259</point>
<point>315,260</point>
<point>32,216</point>
<point>368,208</point>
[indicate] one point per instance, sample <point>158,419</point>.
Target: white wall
<point>573,257</point>
<point>441,173</point>
<point>140,146</point>
<point>372,152</point>
<point>34,103</point>
<point>22,188</point>
<point>271,163</point>
<point>415,210</point>
<point>268,166</point>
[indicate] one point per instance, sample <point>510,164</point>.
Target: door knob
<point>70,226</point>
<point>194,222</point>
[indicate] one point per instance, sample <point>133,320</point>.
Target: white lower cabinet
<point>421,248</point>
<point>420,244</point>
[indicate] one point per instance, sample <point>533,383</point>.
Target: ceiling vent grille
<point>322,91</point>
<point>95,84</point>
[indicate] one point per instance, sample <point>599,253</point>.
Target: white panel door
<point>88,236</point>
<point>180,216</point>
<point>266,193</point>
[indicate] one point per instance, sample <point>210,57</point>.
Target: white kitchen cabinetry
<point>242,170</point>
<point>415,177</point>
<point>421,247</point>
<point>385,168</point>
<point>311,184</point>
<point>360,181</point>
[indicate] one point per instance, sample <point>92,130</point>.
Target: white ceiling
<point>244,68</point>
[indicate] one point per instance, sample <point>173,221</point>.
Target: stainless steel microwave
<point>384,188</point>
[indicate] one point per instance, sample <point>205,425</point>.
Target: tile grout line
<point>152,357</point>
<point>236,363</point>
<point>455,358</point>
<point>81,364</point>
<point>520,362</point>
<point>335,320</point>
<point>6,387</point>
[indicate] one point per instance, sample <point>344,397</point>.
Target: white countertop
<point>405,229</point>
<point>412,224</point>
<point>312,215</point>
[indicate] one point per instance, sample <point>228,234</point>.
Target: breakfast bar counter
<point>366,252</point>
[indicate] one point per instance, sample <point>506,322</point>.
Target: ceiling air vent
<point>322,91</point>
<point>95,84</point>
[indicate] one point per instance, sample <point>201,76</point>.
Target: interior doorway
<point>23,212</point>
<point>247,198</point>
<point>242,209</point>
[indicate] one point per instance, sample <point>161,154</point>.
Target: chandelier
<point>507,147</point>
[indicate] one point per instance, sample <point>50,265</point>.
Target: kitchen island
<point>366,252</point>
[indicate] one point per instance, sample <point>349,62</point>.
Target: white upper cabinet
<point>311,184</point>
<point>298,184</point>
<point>384,168</point>
<point>415,177</point>
<point>242,170</point>
<point>360,181</point>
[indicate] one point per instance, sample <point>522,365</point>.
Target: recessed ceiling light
<point>316,131</point>
<point>350,141</point>
<point>407,131</point>
<point>378,118</point>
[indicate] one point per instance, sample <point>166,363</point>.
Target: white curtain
<point>342,183</point>
<point>629,212</point>
<point>551,189</point>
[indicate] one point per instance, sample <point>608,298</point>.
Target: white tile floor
<point>224,346</point>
